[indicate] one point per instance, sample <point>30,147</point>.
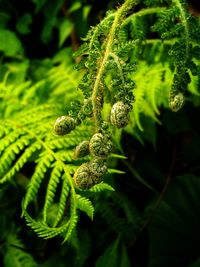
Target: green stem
<point>184,21</point>
<point>97,89</point>
<point>143,12</point>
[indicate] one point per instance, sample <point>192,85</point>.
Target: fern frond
<point>63,200</point>
<point>20,162</point>
<point>101,187</point>
<point>51,188</point>
<point>109,57</point>
<point>42,229</point>
<point>8,139</point>
<point>152,88</point>
<point>72,224</point>
<point>194,86</point>
<point>12,151</point>
<point>15,254</point>
<point>85,205</point>
<point>44,163</point>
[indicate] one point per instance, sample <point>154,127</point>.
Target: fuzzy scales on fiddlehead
<point>110,54</point>
<point>102,54</point>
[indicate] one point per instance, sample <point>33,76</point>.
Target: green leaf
<point>16,255</point>
<point>174,231</point>
<point>114,256</point>
<point>117,156</point>
<point>85,205</point>
<point>23,24</point>
<point>65,28</point>
<point>51,10</point>
<point>86,11</point>
<point>75,6</point>
<point>9,43</point>
<point>101,187</point>
<point>115,171</point>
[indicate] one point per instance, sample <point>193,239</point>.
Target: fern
<point>85,205</point>
<point>152,92</point>
<point>101,187</point>
<point>63,201</point>
<point>15,254</point>
<point>123,72</point>
<point>56,174</point>
<point>23,138</point>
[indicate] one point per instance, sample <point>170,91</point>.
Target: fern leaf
<point>51,188</point>
<point>139,95</point>
<point>15,255</point>
<point>37,178</point>
<point>42,229</point>
<point>11,152</point>
<point>65,155</point>
<point>20,162</point>
<point>72,223</point>
<point>85,205</point>
<point>9,138</point>
<point>115,171</point>
<point>63,200</point>
<point>71,140</point>
<point>101,187</point>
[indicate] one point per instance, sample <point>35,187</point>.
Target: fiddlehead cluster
<point>109,55</point>
<point>103,54</point>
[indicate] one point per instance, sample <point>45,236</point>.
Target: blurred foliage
<point>152,218</point>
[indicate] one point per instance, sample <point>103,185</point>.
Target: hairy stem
<point>97,89</point>
<point>143,12</point>
<point>185,24</point>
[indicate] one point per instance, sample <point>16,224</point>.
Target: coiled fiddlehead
<point>109,55</point>
<point>82,150</point>
<point>84,178</point>
<point>177,102</point>
<point>119,116</point>
<point>64,125</point>
<point>98,166</point>
<point>100,145</point>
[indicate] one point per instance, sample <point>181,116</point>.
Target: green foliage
<point>10,44</point>
<point>115,255</point>
<point>178,220</point>
<point>131,70</point>
<point>15,254</point>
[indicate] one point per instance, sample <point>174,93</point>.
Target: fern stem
<point>143,12</point>
<point>96,30</point>
<point>184,21</point>
<point>120,13</point>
